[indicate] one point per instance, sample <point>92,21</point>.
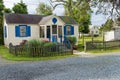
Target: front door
<point>54,33</point>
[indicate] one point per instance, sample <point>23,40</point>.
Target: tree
<point>44,9</point>
<point>108,25</point>
<point>106,7</point>
<point>7,10</point>
<point>1,21</point>
<point>20,8</point>
<point>77,9</point>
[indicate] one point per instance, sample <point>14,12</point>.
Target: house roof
<point>68,20</point>
<point>34,19</point>
<point>23,18</point>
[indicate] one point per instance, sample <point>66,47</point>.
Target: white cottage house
<point>19,27</point>
<point>94,30</point>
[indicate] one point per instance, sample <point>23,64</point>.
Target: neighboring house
<point>94,30</point>
<point>113,35</point>
<point>19,27</point>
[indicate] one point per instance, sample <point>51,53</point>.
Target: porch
<point>55,33</point>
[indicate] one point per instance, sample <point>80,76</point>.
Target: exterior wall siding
<point>16,40</point>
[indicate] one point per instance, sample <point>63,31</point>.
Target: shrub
<point>35,42</point>
<point>32,45</point>
<point>49,44</point>
<point>72,39</point>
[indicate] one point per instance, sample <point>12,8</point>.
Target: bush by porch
<point>37,48</point>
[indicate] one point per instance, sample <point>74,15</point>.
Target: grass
<point>80,41</point>
<point>99,38</point>
<point>4,52</point>
<point>104,51</point>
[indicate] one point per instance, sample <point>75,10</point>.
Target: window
<point>54,29</point>
<point>59,31</point>
<point>22,31</point>
<point>41,31</point>
<point>48,32</point>
<point>68,30</point>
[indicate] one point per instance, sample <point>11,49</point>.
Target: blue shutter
<point>28,31</point>
<point>17,31</point>
<point>72,30</point>
<point>5,31</point>
<point>65,32</point>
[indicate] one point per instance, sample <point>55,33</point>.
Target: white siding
<point>109,36</point>
<point>11,38</point>
<point>117,34</point>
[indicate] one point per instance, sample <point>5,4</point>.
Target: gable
<point>49,20</point>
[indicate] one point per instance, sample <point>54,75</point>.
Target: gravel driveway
<point>105,67</point>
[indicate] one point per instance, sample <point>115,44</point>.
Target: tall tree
<point>111,7</point>
<point>44,9</point>
<point>108,25</point>
<point>1,21</point>
<point>77,9</point>
<point>20,8</point>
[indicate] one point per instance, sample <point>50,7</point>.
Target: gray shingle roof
<point>34,19</point>
<point>68,20</point>
<point>23,18</point>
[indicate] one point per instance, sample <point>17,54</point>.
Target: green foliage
<point>35,42</point>
<point>1,21</point>
<point>81,13</point>
<point>72,39</point>
<point>48,44</point>
<point>108,25</point>
<point>1,7</point>
<point>7,10</point>
<point>20,8</point>
<point>44,9</point>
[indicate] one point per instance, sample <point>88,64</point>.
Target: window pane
<point>54,29</point>
<point>41,31</point>
<point>48,31</point>
<point>59,31</point>
<point>23,31</point>
<point>68,30</point>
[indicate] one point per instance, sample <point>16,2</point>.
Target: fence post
<point>105,45</point>
<point>15,50</point>
<point>85,47</point>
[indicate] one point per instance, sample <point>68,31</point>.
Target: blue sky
<point>32,5</point>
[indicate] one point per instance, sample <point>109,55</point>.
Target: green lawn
<point>104,51</point>
<point>80,41</point>
<point>4,52</point>
<point>99,38</point>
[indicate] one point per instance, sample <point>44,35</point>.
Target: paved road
<point>105,67</point>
